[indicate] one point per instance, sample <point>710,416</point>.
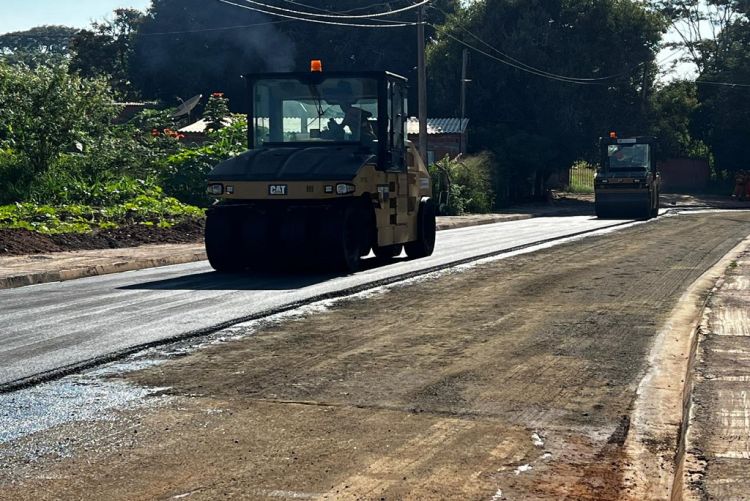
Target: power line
<point>723,84</point>
<point>341,16</point>
<point>320,9</point>
<point>319,21</point>
<point>221,28</point>
<point>547,75</point>
<point>533,69</point>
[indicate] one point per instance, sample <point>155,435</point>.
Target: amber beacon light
<point>316,66</point>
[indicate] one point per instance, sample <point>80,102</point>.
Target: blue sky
<point>17,15</point>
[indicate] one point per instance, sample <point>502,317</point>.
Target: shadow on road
<point>282,279</point>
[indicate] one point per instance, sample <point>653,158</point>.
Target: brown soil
<point>432,390</point>
<point>16,242</point>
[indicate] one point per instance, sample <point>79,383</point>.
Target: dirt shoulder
<point>513,379</point>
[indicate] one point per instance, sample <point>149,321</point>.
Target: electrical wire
<point>533,69</point>
<point>550,76</point>
<point>320,9</point>
<point>340,16</point>
<point>221,28</point>
<point>722,84</point>
<point>318,21</point>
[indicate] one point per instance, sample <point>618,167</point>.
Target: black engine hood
<point>313,163</point>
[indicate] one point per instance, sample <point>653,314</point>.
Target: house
<point>197,132</point>
<point>445,136</point>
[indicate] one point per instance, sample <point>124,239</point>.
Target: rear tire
<point>345,234</point>
<point>655,209</point>
<point>223,245</point>
<point>426,231</point>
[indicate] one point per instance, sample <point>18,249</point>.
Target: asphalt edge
<point>42,277</point>
<point>660,414</point>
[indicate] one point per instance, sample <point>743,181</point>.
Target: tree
<point>40,45</point>
<point>522,102</point>
<point>722,119</point>
<point>698,24</point>
<point>105,50</point>
<point>188,47</point>
<point>673,108</point>
<point>44,113</point>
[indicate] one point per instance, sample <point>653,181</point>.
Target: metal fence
<point>582,179</point>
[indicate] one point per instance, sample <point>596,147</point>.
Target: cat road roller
<point>329,177</point>
<point>627,183</point>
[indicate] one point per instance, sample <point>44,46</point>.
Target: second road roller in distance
<point>329,176</point>
<point>627,183</point>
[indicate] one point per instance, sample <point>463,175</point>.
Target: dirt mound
<point>18,241</point>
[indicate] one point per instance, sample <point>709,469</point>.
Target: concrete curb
<point>23,280</point>
<point>138,263</point>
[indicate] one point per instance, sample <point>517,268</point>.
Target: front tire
<point>223,247</point>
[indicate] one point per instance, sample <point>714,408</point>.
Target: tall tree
<point>188,47</point>
<point>522,102</point>
<point>40,45</point>
<point>698,23</point>
<point>723,117</point>
<point>105,49</point>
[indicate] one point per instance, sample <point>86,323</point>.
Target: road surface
<point>50,328</point>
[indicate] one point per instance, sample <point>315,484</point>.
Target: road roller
<point>328,179</point>
<point>627,183</point>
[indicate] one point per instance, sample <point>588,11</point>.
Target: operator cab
<point>364,111</point>
<point>629,157</point>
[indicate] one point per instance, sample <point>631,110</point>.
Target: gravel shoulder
<point>512,379</point>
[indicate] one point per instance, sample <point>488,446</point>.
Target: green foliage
<point>105,50</point>
<point>44,114</point>
<point>582,177</point>
<point>463,185</point>
<point>42,45</point>
<point>216,110</point>
<point>184,174</point>
<point>533,124</point>
<point>673,107</point>
<point>101,206</point>
<point>722,119</point>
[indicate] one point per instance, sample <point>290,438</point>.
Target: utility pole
<point>422,84</point>
<point>464,81</point>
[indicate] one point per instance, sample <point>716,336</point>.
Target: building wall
<point>684,175</point>
<point>440,145</point>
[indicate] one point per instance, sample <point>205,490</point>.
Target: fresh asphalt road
<point>50,327</point>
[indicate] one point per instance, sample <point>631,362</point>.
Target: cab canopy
<point>361,110</point>
<point>628,154</point>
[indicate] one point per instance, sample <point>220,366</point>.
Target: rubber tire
<point>223,248</point>
<point>388,252</point>
<point>346,235</point>
<point>655,210</point>
<point>426,231</point>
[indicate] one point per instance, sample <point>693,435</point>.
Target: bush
<point>184,175</point>
<point>463,185</point>
<point>82,208</point>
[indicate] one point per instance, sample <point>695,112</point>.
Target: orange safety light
<point>316,66</point>
<point>613,135</point>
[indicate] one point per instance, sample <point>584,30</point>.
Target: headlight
<point>215,189</point>
<point>344,189</point>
